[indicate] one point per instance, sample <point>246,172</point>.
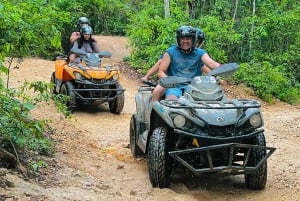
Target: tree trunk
<point>192,8</point>
<point>167,8</point>
<point>234,13</point>
<point>252,27</point>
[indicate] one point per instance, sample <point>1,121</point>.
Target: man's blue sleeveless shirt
<point>185,64</point>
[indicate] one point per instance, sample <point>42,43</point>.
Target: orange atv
<point>88,81</point>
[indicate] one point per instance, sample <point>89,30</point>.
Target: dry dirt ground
<point>93,162</point>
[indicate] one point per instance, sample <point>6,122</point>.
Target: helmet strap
<point>200,45</point>
<point>187,51</point>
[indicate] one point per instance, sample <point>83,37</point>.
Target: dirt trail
<point>93,161</point>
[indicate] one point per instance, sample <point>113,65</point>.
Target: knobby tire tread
<point>257,180</point>
<point>158,159</point>
<point>135,150</point>
<point>116,106</point>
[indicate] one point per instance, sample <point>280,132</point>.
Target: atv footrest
<point>235,164</point>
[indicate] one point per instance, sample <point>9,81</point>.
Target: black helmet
<point>184,31</point>
<point>86,30</point>
<point>200,36</point>
<point>82,20</point>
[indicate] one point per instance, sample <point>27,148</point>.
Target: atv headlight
<point>115,76</point>
<point>255,120</point>
<point>77,75</point>
<point>179,121</point>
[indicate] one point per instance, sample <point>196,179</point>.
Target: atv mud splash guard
<point>231,167</point>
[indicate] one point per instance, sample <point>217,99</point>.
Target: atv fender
<point>144,108</point>
<point>163,112</point>
<point>60,62</point>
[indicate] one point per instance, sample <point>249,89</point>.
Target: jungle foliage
<point>28,28</point>
<point>107,17</point>
<point>262,35</point>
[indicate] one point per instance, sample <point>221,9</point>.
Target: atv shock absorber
<point>195,142</point>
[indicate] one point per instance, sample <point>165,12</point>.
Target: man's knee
<point>158,92</point>
<point>72,57</point>
<point>171,97</point>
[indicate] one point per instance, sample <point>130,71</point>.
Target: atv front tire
<point>135,150</point>
<point>257,180</point>
<point>67,89</point>
<point>116,106</point>
<point>159,161</point>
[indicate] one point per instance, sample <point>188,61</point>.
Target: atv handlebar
<point>173,81</point>
<point>151,84</point>
<point>224,70</point>
<point>105,54</point>
<point>81,53</point>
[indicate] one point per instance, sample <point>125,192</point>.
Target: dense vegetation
<point>29,28</point>
<point>262,35</point>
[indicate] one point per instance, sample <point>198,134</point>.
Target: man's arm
<point>164,65</point>
<point>209,62</point>
<point>74,36</point>
<point>96,48</point>
<point>152,70</point>
<point>75,45</point>
<point>205,69</point>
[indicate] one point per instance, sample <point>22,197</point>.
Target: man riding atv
<point>183,60</point>
<point>198,127</point>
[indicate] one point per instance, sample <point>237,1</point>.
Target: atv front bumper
<point>104,91</point>
<point>105,95</point>
<point>231,167</point>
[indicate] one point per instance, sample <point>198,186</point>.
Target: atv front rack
<point>231,104</point>
<point>98,94</point>
<point>100,90</point>
<point>233,166</point>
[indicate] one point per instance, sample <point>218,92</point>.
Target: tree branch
<point>9,158</point>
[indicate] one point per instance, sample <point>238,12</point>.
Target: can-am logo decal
<point>220,119</point>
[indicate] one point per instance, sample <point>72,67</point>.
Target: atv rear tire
<point>257,180</point>
<point>159,161</point>
<point>116,106</point>
<point>67,89</point>
<point>135,150</point>
<point>52,80</point>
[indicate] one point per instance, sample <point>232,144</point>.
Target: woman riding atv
<point>85,43</point>
<point>82,21</point>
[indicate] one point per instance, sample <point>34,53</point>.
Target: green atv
<point>203,131</point>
